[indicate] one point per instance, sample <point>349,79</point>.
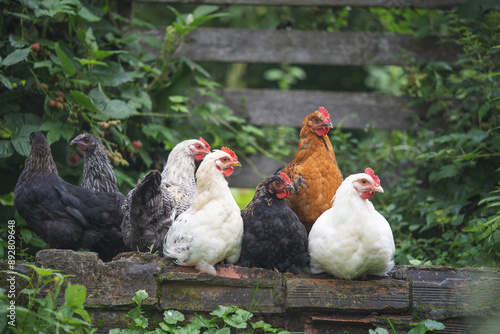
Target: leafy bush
<point>66,67</point>
<point>43,314</point>
<point>442,176</point>
<point>226,319</point>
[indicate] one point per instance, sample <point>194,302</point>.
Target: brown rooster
<point>313,171</point>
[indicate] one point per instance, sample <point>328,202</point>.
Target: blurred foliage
<point>441,178</point>
<point>67,67</point>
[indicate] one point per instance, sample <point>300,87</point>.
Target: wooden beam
<point>351,110</point>
<point>305,47</point>
<point>328,3</point>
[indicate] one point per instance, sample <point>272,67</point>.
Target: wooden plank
<point>328,3</point>
<point>334,295</point>
<point>351,110</point>
<point>440,292</point>
<point>305,47</point>
<point>184,289</point>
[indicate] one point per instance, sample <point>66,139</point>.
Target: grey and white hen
<point>151,207</point>
<point>98,173</point>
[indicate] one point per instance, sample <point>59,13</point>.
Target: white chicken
<point>351,239</point>
<point>211,229</point>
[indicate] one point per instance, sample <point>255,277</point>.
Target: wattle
<point>199,157</point>
<point>322,131</point>
<point>228,171</point>
<point>283,194</point>
<point>367,194</point>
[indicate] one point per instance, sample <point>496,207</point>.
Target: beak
<point>289,188</point>
<point>378,189</point>
<point>328,124</point>
<point>236,164</point>
<point>76,140</point>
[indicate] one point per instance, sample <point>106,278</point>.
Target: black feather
<point>273,236</point>
<point>64,215</point>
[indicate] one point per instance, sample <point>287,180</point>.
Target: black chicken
<point>273,236</point>
<point>98,173</point>
<point>64,215</point>
<point>151,207</point>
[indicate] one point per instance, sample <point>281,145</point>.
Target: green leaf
<point>75,295</point>
<point>140,296</point>
<point>44,63</point>
<point>15,57</point>
<point>84,62</point>
<point>111,76</point>
<point>66,63</point>
<point>145,156</point>
<point>110,109</point>
<point>378,330</point>
<point>6,82</point>
<point>419,329</point>
<point>172,317</point>
<point>87,15</point>
<point>101,54</point>
<point>6,149</point>
<point>137,98</point>
<point>84,101</point>
<point>20,138</point>
<point>433,325</point>
<point>223,310</point>
<point>483,111</point>
<point>204,10</point>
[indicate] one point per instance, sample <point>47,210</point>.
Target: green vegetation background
<point>67,67</point>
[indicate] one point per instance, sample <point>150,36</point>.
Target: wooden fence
<point>268,106</point>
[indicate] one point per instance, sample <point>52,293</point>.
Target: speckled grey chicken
<point>152,206</point>
<point>273,237</point>
<point>98,173</point>
<point>65,215</point>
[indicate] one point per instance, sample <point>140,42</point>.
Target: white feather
<point>351,239</point>
<point>211,229</point>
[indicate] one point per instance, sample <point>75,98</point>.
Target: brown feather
<point>314,173</point>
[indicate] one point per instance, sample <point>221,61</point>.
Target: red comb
<point>326,115</point>
<point>230,152</point>
<point>205,143</point>
<point>375,178</point>
<point>285,178</point>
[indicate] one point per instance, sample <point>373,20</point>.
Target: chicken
<point>211,229</point>
<point>64,215</point>
<point>352,240</point>
<point>152,206</point>
<point>273,236</point>
<point>313,171</point>
<point>98,173</point>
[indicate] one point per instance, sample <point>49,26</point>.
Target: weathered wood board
<point>329,3</point>
<point>304,47</point>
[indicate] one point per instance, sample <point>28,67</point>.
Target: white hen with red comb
<point>351,239</point>
<point>211,229</point>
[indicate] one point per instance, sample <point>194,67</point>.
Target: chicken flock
<point>304,217</point>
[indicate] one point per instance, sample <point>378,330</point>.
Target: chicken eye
<point>224,159</point>
<point>278,183</point>
<point>364,181</point>
<point>86,139</point>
